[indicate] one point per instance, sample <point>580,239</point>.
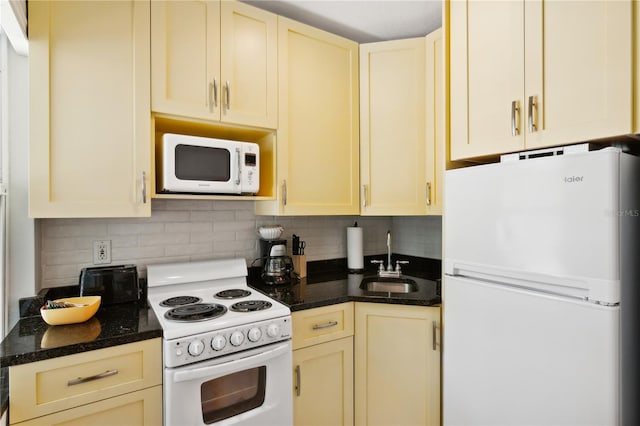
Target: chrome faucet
<point>389,267</point>
<point>389,271</point>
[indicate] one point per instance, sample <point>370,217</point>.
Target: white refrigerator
<point>540,299</point>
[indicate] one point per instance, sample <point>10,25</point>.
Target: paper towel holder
<point>355,258</point>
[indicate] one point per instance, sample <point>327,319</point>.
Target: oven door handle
<point>231,366</point>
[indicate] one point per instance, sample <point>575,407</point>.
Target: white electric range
<point>226,346</point>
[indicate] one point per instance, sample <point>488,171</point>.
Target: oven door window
<point>230,395</point>
<point>202,163</point>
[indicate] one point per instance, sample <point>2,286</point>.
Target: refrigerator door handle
<point>605,292</point>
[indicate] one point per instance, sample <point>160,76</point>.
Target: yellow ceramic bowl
<point>73,315</point>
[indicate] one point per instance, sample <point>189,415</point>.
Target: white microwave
<point>195,164</point>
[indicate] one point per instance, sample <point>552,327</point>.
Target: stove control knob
<point>218,342</point>
<point>273,330</point>
<point>196,347</point>
<point>237,338</point>
<point>254,334</point>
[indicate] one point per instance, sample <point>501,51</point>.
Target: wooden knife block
<point>300,264</point>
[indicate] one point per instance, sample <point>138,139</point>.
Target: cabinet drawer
<point>139,408</point>
<point>320,325</point>
<point>44,387</point>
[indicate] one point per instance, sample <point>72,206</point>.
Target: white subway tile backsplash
<point>188,230</point>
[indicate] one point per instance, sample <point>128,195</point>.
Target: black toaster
<point>115,284</point>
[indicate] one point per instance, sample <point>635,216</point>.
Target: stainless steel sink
<point>389,285</point>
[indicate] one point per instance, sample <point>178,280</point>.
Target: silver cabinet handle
<point>428,193</point>
<point>325,325</point>
<point>435,327</point>
<point>298,381</point>
<point>227,88</point>
<point>213,95</point>
<point>533,103</point>
<point>284,192</point>
<point>515,110</point>
<point>144,188</point>
<point>79,380</point>
<point>364,195</point>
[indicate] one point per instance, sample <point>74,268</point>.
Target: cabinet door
<point>486,77</point>
<point>579,72</point>
<point>185,53</point>
<point>249,55</point>
<point>139,408</point>
<point>435,124</point>
<point>395,386</point>
<point>323,384</point>
<point>392,118</point>
<point>318,135</point>
<point>90,139</point>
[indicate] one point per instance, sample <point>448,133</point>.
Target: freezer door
<point>513,357</point>
<point>550,216</point>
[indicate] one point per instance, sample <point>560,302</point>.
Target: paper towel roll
<point>355,259</point>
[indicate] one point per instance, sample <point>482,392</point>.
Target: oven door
<point>248,388</point>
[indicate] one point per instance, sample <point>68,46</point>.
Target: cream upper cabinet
<point>318,131</point>
<point>402,145</point>
<point>435,124</point>
<point>392,127</point>
<point>90,138</point>
<point>214,60</point>
<point>397,364</point>
<point>529,74</point>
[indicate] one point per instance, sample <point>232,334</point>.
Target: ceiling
<point>363,21</point>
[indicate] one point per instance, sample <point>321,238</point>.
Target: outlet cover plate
<point>101,252</point>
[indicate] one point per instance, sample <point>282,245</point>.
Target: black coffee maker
<point>276,265</point>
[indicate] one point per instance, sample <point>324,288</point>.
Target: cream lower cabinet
<point>89,103</point>
<point>323,366</point>
<point>534,74</point>
<point>214,60</point>
<point>397,364</point>
<point>402,126</point>
<point>318,130</point>
<point>116,385</point>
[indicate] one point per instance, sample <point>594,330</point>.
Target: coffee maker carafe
<point>276,266</point>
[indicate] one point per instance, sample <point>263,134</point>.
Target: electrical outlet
<point>101,252</point>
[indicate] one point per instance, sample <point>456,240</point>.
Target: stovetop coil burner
<point>179,301</point>
<point>250,305</point>
<point>234,293</point>
<point>196,312</point>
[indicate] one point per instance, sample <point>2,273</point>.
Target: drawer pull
<point>325,325</point>
<point>79,380</point>
<point>298,381</point>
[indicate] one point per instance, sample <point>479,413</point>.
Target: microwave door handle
<point>238,156</point>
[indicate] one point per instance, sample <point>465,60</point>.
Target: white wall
<point>21,236</point>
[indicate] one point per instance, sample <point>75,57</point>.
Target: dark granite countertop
<point>32,339</point>
<point>329,284</point>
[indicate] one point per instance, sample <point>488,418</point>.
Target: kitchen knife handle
<point>144,188</point>
<point>434,342</point>
<point>79,380</point>
<point>298,381</point>
<point>533,103</point>
<point>515,110</point>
